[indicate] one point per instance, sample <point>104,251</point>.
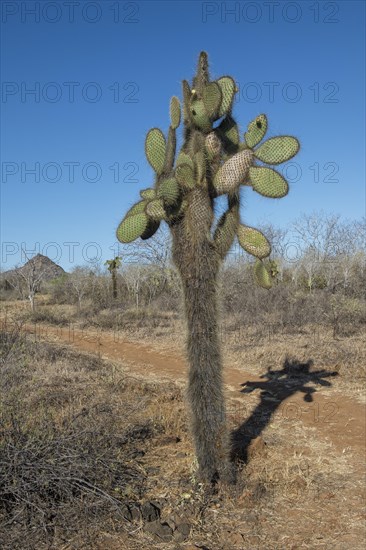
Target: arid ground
<point>96,450</point>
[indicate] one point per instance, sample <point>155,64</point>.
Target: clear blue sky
<point>104,77</point>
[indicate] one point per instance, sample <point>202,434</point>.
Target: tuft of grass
<point>70,451</point>
<point>49,315</point>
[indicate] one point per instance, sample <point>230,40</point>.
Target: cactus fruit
<point>212,162</point>
<point>155,149</point>
<point>262,277</point>
<point>253,242</point>
<point>256,131</point>
<point>278,149</point>
<point>268,182</point>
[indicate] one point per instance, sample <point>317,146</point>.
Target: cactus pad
<point>152,227</point>
<point>168,190</point>
<point>212,99</point>
<point>268,182</point>
<point>200,164</point>
<point>233,172</point>
<point>183,158</point>
<point>228,88</point>
<point>213,145</point>
<point>148,194</point>
<point>200,116</point>
<point>261,275</point>
<point>136,208</point>
<point>174,112</point>
<point>253,242</point>
<point>155,210</point>
<point>185,176</point>
<point>256,131</point>
<point>186,101</point>
<point>155,149</point>
<point>278,149</point>
<point>132,227</point>
<point>226,227</point>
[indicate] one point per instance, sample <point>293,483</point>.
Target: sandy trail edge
<point>337,419</point>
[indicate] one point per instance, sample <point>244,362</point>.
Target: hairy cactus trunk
<point>198,264</point>
<point>205,386</point>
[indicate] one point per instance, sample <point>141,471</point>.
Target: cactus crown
<point>214,161</point>
<point>113,265</point>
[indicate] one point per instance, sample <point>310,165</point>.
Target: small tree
<point>81,281</point>
<point>212,162</point>
<point>113,266</point>
<point>28,279</point>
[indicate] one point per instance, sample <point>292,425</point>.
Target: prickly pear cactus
<point>213,161</point>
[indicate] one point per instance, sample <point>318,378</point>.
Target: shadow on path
<point>278,386</point>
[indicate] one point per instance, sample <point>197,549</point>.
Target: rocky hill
<point>40,267</point>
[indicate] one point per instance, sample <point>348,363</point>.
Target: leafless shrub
<point>62,473</point>
<point>47,315</point>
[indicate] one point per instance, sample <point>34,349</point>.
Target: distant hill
<point>41,266</point>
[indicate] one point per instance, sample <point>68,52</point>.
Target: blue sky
<point>103,75</point>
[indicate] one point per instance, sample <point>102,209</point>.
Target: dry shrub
<point>129,320</point>
<point>69,459</point>
<point>47,315</point>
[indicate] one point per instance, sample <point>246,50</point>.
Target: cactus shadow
<point>278,385</point>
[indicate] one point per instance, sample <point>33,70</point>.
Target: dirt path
<point>336,418</point>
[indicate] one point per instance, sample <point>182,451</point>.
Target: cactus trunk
<point>205,386</point>
<point>198,264</point>
<point>114,284</point>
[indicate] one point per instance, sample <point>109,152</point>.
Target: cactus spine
<point>211,162</point>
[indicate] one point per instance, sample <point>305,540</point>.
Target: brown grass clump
<point>70,451</point>
<point>92,457</point>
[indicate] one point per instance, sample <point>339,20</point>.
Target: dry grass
<point>83,443</point>
<point>255,348</point>
<point>250,348</point>
<point>72,433</point>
